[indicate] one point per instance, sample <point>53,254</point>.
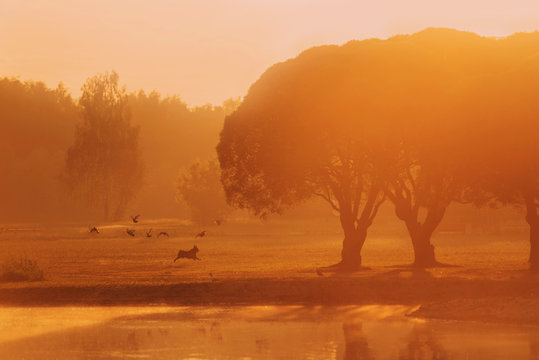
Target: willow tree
<point>437,124</point>
<point>297,135</point>
<point>103,167</point>
<point>425,177</point>
<point>346,122</point>
<point>334,123</point>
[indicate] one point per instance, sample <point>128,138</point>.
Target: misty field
<point>269,263</point>
<point>70,255</point>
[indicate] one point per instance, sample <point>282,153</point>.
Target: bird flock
<point>149,232</point>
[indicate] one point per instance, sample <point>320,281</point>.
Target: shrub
<point>21,270</point>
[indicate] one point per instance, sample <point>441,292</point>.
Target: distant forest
<point>37,126</point>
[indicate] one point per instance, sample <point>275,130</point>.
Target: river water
<point>253,332</point>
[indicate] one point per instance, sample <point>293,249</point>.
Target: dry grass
<point>22,269</point>
<point>69,255</point>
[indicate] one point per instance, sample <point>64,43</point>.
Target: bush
<point>199,186</point>
<point>21,270</point>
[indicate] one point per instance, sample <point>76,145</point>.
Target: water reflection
<point>356,346</point>
<point>423,345</point>
<point>286,332</point>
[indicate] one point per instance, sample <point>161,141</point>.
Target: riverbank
<point>510,309</point>
<point>445,298</point>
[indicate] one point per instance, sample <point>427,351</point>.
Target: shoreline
<point>316,291</point>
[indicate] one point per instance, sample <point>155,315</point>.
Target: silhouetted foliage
<point>296,136</point>
<point>103,166</point>
<point>504,117</point>
<point>36,128</point>
<point>398,105</point>
<point>172,136</point>
<point>200,188</point>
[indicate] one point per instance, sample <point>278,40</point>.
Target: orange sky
<point>210,50</point>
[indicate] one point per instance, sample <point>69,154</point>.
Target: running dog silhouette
<point>191,254</point>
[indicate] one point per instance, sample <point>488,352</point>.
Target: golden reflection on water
<point>252,332</point>
<point>18,323</point>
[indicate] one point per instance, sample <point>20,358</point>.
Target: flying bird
<point>212,278</point>
<point>135,218</point>
<point>319,272</point>
<point>149,233</point>
<point>164,233</point>
<point>201,234</point>
<point>130,232</point>
<point>217,222</point>
<point>94,229</point>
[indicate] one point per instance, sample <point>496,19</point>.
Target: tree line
<point>98,156</point>
<point>421,121</point>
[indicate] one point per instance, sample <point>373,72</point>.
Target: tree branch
<point>376,207</point>
<point>392,196</point>
<point>328,199</point>
<point>411,178</point>
<point>357,200</point>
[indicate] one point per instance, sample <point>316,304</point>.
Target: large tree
<point>426,176</point>
<point>437,125</point>
<point>297,135</point>
<point>103,167</point>
<point>268,167</point>
<point>387,111</point>
<point>349,124</point>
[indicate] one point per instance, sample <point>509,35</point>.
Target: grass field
<point>256,263</point>
<point>70,255</point>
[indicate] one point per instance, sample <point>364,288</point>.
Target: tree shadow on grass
<point>437,264</point>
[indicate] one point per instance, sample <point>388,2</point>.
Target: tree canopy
<point>36,127</point>
<point>397,105</point>
<point>103,166</point>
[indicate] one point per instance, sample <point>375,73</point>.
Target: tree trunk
<point>354,238</point>
<point>534,246</point>
<point>423,249</point>
<point>420,234</point>
<point>351,249</point>
<point>532,218</point>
